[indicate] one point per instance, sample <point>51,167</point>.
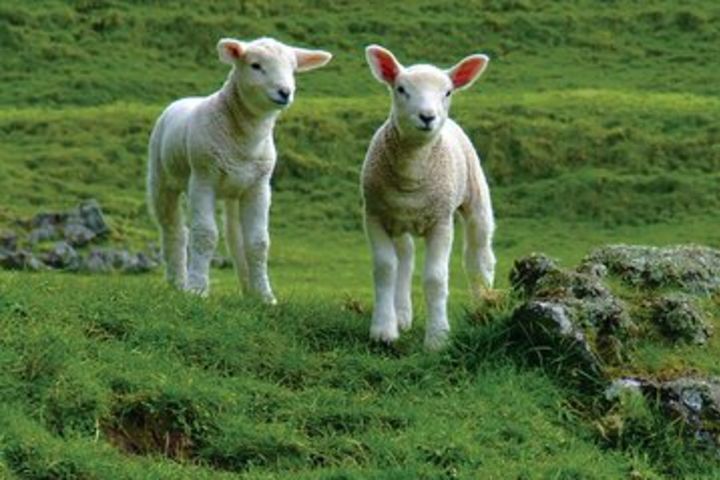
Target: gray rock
<point>694,401</point>
<point>8,241</point>
<point>20,260</point>
<point>62,256</point>
<point>527,272</point>
<point>91,216</point>
<point>569,316</point>
<point>97,261</point>
<point>139,263</point>
<point>680,319</point>
<point>78,235</point>
<point>54,219</point>
<point>551,331</point>
<point>44,233</point>
<point>691,268</point>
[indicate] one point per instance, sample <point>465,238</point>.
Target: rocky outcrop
<point>690,268</point>
<point>75,236</point>
<point>586,321</point>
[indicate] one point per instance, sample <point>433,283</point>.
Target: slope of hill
<point>598,121</point>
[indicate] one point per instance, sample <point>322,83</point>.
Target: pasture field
<point>597,122</point>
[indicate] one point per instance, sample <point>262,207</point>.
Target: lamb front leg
<point>203,234</point>
<point>255,219</point>
<point>435,282</point>
<point>403,285</point>
<point>384,327</point>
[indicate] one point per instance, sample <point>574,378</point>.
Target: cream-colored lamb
<point>419,170</point>
<point>221,147</point>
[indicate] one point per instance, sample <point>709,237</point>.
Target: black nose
<point>427,119</point>
<point>284,93</point>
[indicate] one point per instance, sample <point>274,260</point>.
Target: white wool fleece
<point>221,147</point>
<point>420,169</point>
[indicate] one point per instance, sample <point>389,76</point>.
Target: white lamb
<point>221,147</point>
<point>420,169</point>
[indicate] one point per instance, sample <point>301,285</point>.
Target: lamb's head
<point>264,70</point>
<point>421,93</point>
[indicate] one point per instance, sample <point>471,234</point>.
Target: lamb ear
<point>230,50</point>
<point>468,70</point>
<point>310,59</point>
<point>383,64</point>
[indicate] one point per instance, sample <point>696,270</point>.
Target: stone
<point>20,260</point>
<point>138,263</point>
<point>54,219</point>
<point>680,319</point>
<point>8,241</point>
<point>527,271</point>
<point>91,216</point>
<point>97,261</point>
<point>691,268</point>
<point>44,233</point>
<point>62,256</point>
<point>550,330</point>
<point>78,235</point>
<point>694,401</point>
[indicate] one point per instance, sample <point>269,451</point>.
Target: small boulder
<point>97,261</point>
<point>551,331</point>
<point>139,263</point>
<point>62,256</point>
<point>8,241</point>
<point>54,219</point>
<point>679,319</point>
<point>91,216</point>
<point>20,260</point>
<point>527,272</point>
<point>694,401</point>
<point>78,235</point>
<point>44,233</point>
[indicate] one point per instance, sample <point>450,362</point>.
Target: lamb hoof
<point>269,300</point>
<point>384,334</point>
<point>437,340</point>
<point>200,291</point>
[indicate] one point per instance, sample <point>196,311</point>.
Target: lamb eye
<point>401,90</point>
<point>256,66</point>
<point>448,93</point>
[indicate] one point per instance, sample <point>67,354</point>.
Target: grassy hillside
<point>597,121</point>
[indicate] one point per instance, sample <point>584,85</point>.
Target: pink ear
<point>234,50</point>
<point>468,70</point>
<point>384,65</point>
<point>230,50</point>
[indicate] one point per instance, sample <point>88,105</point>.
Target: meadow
<point>597,122</point>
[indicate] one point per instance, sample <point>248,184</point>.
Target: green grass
<point>597,122</point>
<point>293,390</point>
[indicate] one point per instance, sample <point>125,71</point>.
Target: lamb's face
<point>265,70</point>
<point>421,99</point>
<point>421,93</point>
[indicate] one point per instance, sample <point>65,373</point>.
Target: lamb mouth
<point>425,129</point>
<point>278,101</point>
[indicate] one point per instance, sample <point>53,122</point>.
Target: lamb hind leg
<point>384,326</point>
<point>234,241</point>
<point>479,258</point>
<point>173,234</point>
